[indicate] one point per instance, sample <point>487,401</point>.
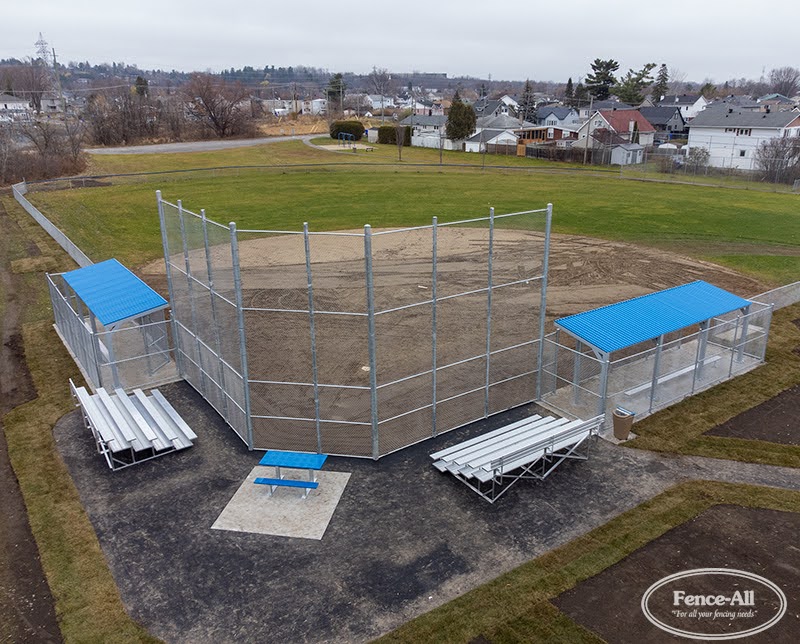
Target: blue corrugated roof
<point>627,323</point>
<point>112,293</point>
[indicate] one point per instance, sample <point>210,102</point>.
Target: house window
<point>743,132</point>
<point>550,133</point>
<point>598,123</point>
<point>742,153</point>
<point>552,122</point>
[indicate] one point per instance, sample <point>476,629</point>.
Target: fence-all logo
<point>714,604</point>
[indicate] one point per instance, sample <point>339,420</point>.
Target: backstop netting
<point>357,342</point>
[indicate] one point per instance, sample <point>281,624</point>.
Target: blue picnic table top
<point>299,460</point>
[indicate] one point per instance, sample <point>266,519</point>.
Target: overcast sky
<point>511,40</point>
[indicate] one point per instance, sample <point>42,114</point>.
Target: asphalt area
<point>759,541</point>
<point>403,539</point>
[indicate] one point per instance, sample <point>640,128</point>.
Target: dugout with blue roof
<point>113,323</point>
<point>648,352</point>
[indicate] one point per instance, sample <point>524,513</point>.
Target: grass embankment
<point>757,233</point>
<point>516,606</point>
<point>88,605</point>
<point>680,428</point>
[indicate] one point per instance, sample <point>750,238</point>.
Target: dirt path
<point>26,605</point>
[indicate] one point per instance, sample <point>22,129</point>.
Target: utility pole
<point>588,131</point>
<point>58,84</point>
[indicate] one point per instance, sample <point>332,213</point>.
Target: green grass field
<point>754,232</point>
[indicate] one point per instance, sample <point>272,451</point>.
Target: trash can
<point>623,421</point>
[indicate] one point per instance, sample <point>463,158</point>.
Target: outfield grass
<point>516,606</point>
<point>741,228</point>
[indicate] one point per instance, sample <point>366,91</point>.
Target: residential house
<point>690,104</point>
<point>557,116</point>
<point>776,101</point>
<point>666,120</point>
<point>377,102</point>
<point>590,108</point>
<point>479,142</point>
<point>501,122</point>
<point>630,126</point>
<point>733,136</point>
<point>429,132</point>
<point>14,107</point>
<point>485,108</point>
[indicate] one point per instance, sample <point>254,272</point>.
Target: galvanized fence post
<point>373,378</point>
<point>734,348</point>
<point>170,290</point>
<point>543,297</point>
<point>313,334</point>
<point>434,252</point>
<point>656,365</point>
<point>237,285</point>
<point>190,289</point>
<point>214,321</point>
<point>489,314</point>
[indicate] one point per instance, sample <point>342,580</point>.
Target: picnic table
<point>278,459</point>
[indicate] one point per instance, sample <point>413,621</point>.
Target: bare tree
<point>677,79</point>
<point>785,80</point>
<point>778,160</point>
<point>219,106</point>
<point>380,81</point>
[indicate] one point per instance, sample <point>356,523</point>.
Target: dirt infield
<point>583,273</point>
<point>724,536</point>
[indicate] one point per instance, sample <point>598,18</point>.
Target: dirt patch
<point>26,605</point>
<point>750,539</point>
<point>584,272</point>
<point>34,264</point>
<point>776,421</point>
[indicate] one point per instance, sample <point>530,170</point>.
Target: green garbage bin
<point>623,421</point>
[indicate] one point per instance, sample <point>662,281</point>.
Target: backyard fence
<point>357,342</point>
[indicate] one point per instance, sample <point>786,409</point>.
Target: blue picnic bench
<point>292,461</point>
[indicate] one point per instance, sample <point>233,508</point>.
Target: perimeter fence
<point>357,342</point>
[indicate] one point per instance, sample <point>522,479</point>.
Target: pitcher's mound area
<point>285,513</point>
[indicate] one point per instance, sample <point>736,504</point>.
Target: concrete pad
<point>286,513</point>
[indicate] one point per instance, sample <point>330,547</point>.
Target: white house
<point>13,105</point>
<point>629,125</point>
<point>377,102</point>
<point>429,132</point>
<point>478,142</point>
<point>690,104</point>
<point>732,136</point>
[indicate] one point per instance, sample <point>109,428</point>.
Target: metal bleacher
<point>132,429</point>
<point>527,449</point>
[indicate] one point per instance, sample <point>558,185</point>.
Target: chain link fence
<point>650,376</point>
<point>136,353</point>
<point>357,342</point>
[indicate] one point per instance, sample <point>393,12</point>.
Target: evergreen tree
<point>527,104</point>
<point>661,87</point>
<point>335,92</point>
<point>569,92</point>
<point>141,86</point>
<point>630,88</point>
<point>461,120</point>
<point>602,79</point>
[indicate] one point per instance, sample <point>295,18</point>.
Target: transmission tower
<point>43,50</point>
